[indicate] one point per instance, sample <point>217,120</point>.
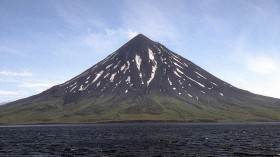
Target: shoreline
<point>148,122</point>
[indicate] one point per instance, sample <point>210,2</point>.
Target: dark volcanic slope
<point>143,80</point>
<point>142,66</point>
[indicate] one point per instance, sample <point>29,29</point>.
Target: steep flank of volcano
<point>142,80</point>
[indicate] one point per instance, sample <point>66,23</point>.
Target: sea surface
<point>142,139</point>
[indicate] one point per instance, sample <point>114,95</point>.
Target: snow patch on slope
<point>128,65</point>
<point>116,65</point>
<point>112,77</point>
<point>151,54</point>
<point>128,80</point>
<point>214,83</point>
<point>123,67</point>
<point>97,76</point>
<point>195,81</point>
<point>73,88</point>
<point>200,75</point>
<point>178,65</point>
<point>169,81</point>
<point>83,88</point>
<point>190,78</point>
<point>179,71</point>
<point>154,67</point>
<point>108,66</point>
<point>175,72</point>
<point>138,61</point>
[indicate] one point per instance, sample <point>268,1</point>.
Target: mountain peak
<point>140,41</point>
<point>141,37</point>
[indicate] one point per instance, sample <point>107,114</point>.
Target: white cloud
<point>261,64</point>
<point>23,88</point>
<point>128,34</point>
<point>10,73</point>
<point>258,67</point>
<point>9,80</point>
<point>131,34</point>
<point>268,86</point>
<point>149,19</point>
<point>37,85</point>
<point>6,93</point>
<point>9,95</point>
<point>107,41</point>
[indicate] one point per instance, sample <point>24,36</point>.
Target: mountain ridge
<point>142,80</point>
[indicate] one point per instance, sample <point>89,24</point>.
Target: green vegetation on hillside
<point>149,108</point>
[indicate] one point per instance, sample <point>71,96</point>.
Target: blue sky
<point>47,42</point>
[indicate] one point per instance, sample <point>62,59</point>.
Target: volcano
<point>142,81</point>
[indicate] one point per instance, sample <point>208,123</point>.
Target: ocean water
<point>142,139</point>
